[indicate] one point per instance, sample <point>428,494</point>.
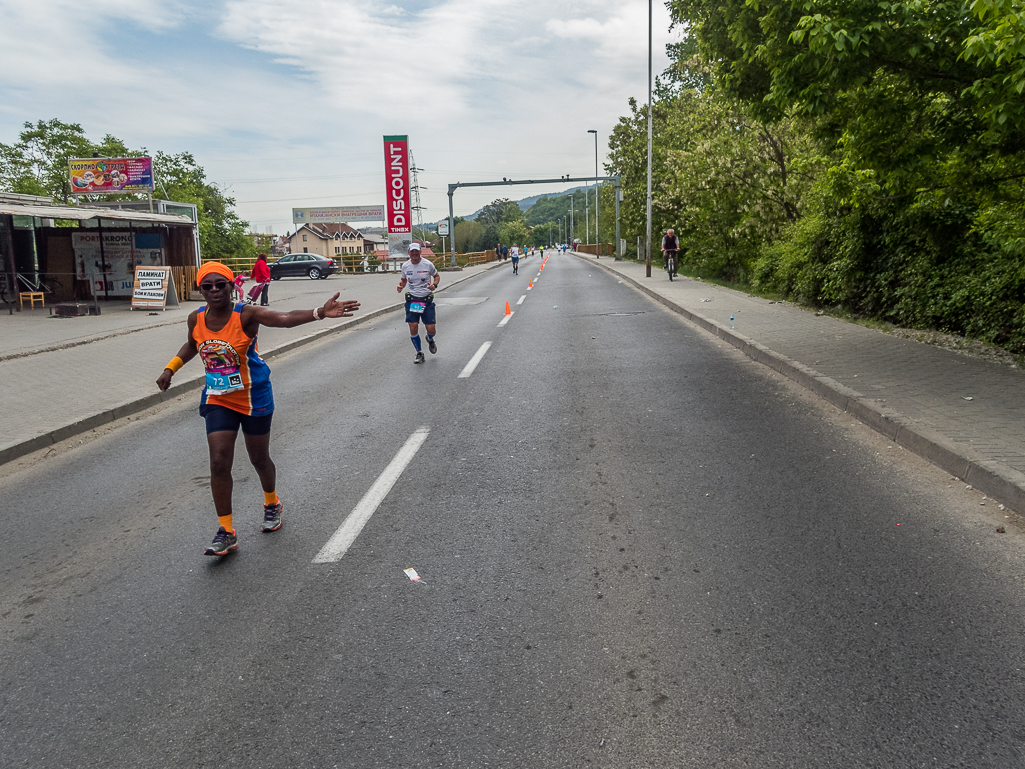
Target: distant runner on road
<point>422,278</point>
<point>514,252</point>
<point>238,390</point>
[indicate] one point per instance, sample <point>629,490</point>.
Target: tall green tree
<point>37,164</point>
<point>222,233</point>
<point>918,215</point>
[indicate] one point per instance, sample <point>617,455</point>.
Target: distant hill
<point>527,203</point>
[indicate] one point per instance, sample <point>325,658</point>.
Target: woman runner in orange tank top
<point>237,392</point>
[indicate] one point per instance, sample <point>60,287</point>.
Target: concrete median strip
<point>1003,483</point>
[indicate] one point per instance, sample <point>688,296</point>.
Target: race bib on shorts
<point>417,307</point>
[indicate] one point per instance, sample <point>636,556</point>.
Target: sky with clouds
<point>285,103</point>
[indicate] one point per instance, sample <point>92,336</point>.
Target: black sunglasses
<point>213,286</point>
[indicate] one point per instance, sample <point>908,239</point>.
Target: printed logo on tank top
<point>222,363</point>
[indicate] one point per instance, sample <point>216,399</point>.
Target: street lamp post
<point>597,237</point>
<point>572,232</point>
<point>647,247</point>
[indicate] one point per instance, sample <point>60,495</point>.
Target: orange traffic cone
<point>530,284</point>
<point>508,309</point>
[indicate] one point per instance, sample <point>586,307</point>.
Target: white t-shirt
<point>514,252</point>
<point>418,277</point>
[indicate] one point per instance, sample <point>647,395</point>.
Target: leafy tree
<point>514,231</point>
<point>997,47</point>
<point>37,164</point>
<point>499,211</point>
<point>543,233</point>
<point>467,236</point>
<point>915,210</point>
<point>221,232</point>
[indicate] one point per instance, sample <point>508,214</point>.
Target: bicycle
<point>671,264</point>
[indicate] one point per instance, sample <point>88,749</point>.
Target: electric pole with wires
<point>415,189</point>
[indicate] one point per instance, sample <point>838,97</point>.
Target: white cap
<point>414,246</point>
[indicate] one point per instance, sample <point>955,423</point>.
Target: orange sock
<point>225,521</point>
<point>270,497</point>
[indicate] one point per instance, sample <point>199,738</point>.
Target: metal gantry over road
<point>507,182</point>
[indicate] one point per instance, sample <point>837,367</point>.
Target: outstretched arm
<point>253,317</point>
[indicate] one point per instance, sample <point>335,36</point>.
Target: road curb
<point>136,405</point>
<point>996,480</point>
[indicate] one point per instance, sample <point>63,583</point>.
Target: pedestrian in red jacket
<point>261,276</point>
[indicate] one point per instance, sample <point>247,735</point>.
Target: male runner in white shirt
<point>422,278</point>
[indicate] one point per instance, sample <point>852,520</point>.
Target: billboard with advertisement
<point>340,214</point>
<point>98,176</point>
<point>396,174</point>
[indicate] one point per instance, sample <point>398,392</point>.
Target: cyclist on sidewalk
<point>238,390</point>
<point>422,278</point>
<point>670,248</point>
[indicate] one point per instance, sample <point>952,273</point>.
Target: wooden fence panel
<point>184,281</point>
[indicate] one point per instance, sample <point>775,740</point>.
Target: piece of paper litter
<point>413,576</point>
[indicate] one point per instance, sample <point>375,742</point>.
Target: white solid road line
<point>477,356</point>
<point>521,299</point>
<point>504,320</point>
<point>353,525</point>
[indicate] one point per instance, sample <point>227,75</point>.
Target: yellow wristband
<point>175,364</point>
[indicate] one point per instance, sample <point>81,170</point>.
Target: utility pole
<point>647,246</point>
<point>587,218</point>
<point>572,230</point>
<point>597,196</point>
<point>417,208</point>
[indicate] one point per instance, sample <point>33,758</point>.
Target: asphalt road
<point>637,549</point>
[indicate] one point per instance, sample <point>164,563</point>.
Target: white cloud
<point>295,91</point>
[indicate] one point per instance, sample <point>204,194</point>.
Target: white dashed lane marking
<point>357,519</point>
<point>504,320</point>
<point>477,356</point>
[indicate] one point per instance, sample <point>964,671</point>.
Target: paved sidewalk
<point>63,376</point>
<point>963,414</point>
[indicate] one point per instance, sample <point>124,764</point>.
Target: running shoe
<point>224,543</point>
<point>432,346</point>
<point>420,358</point>
<point>271,517</point>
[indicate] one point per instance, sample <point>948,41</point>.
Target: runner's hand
<point>344,309</point>
<point>164,380</point>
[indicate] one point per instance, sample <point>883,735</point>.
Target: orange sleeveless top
<point>236,376</point>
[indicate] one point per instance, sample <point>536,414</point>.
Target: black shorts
<point>222,419</point>
<point>427,317</point>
